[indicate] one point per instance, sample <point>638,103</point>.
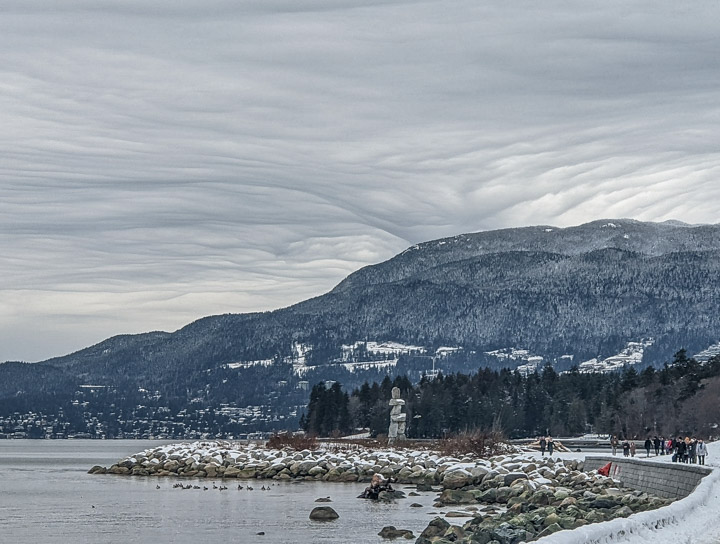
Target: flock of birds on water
<point>214,486</point>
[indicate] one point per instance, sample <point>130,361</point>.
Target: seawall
<point>667,480</point>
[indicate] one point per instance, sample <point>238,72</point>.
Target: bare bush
<point>479,443</point>
<point>298,442</point>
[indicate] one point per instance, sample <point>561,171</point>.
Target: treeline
<point>682,397</point>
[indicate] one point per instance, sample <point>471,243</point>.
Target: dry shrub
<point>297,442</point>
<point>479,443</point>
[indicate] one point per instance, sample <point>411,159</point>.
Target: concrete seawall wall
<point>668,480</point>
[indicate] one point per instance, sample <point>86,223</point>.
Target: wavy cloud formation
<point>164,161</point>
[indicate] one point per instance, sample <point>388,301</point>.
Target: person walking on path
<point>656,445</point>
<point>632,448</point>
<point>550,445</point>
<point>701,451</point>
<point>614,443</point>
<point>648,446</point>
<point>543,443</point>
<point>626,448</point>
<point>693,450</point>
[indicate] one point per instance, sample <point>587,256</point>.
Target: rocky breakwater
<point>228,460</point>
<point>511,499</point>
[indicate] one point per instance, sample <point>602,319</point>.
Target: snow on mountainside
<point>528,363</point>
<point>383,348</point>
<point>707,354</point>
<point>368,355</point>
<point>631,355</point>
<point>361,355</point>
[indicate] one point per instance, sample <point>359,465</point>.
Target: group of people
<point>546,443</point>
<point>683,450</point>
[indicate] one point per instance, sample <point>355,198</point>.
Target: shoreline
<point>510,498</point>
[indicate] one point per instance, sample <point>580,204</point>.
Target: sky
<point>164,161</point>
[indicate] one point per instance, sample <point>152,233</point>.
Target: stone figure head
<point>396,392</point>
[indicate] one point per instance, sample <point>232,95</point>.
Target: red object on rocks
<point>605,471</point>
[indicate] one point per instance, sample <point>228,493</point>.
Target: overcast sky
<point>163,161</point>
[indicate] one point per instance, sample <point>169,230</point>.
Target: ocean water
<point>46,496</point>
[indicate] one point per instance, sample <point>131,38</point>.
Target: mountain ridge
<point>503,269</point>
<point>601,295</point>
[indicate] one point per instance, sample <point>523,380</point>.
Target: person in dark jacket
<point>679,446</point>
<point>377,485</point>
<point>686,454</point>
<point>648,446</point>
<point>543,443</point>
<point>550,445</point>
<point>626,448</point>
<point>692,451</point>
<point>656,445</point>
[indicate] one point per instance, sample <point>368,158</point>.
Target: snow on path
<point>692,520</point>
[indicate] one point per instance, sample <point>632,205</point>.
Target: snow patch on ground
<point>692,520</point>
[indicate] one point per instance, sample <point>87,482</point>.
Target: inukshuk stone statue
<point>397,418</point>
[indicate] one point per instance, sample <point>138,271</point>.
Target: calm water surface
<point>46,496</point>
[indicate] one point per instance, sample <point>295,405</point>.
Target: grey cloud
<point>164,161</point>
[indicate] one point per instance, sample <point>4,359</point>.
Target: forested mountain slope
<point>583,291</point>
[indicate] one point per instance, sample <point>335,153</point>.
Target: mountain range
<point>562,295</point>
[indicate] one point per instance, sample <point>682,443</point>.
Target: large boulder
<point>602,503</point>
<point>391,495</point>
<point>333,475</point>
<point>437,527</point>
<point>305,466</point>
<point>457,479</point>
<point>623,512</point>
<point>478,473</point>
<point>457,496</point>
<point>507,534</point>
<point>247,473</point>
<point>316,471</point>
<point>171,465</point>
<point>550,529</point>
<point>488,496</point>
<point>390,532</point>
<point>323,513</point>
<point>232,472</point>
<point>510,478</point>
